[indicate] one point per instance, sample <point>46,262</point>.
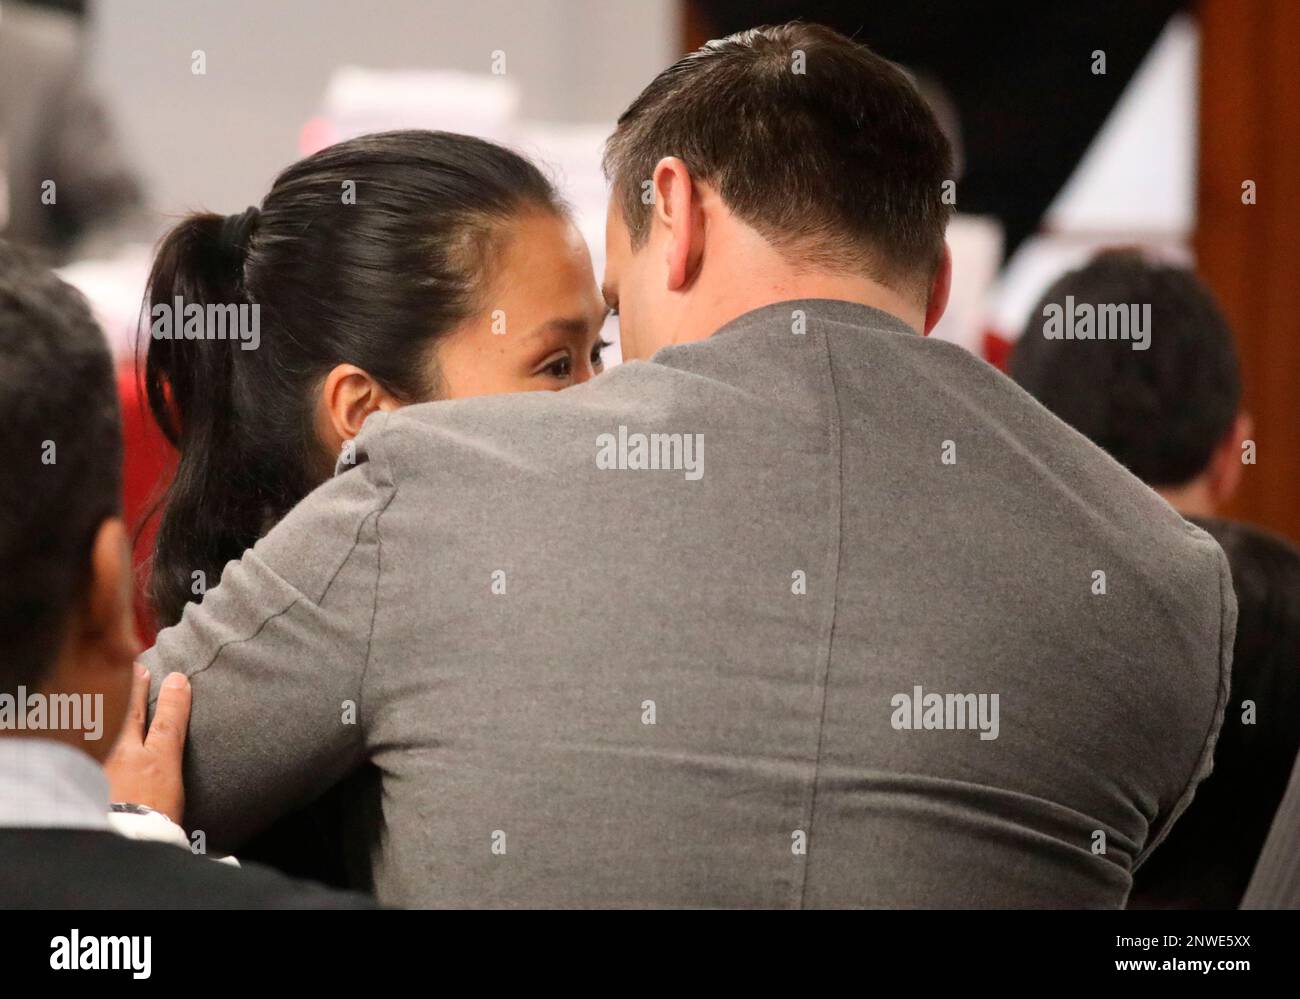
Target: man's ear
<point>109,618</point>
<point>1226,468</point>
<point>939,291</point>
<point>348,396</point>
<point>678,209</point>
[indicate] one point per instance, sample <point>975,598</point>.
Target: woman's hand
<point>145,769</point>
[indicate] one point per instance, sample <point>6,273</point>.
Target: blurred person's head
<point>780,163</point>
<point>1170,413</point>
<point>389,269</point>
<point>66,620</point>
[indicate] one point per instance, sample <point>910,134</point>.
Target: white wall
<point>216,141</point>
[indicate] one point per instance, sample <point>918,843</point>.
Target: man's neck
<point>1191,500</point>
<point>751,275</point>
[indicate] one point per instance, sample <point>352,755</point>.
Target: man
<point>796,608</point>
<point>1172,414</point>
<point>67,628</point>
<point>1170,411</point>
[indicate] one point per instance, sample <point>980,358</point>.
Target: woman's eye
<point>561,367</point>
<point>598,352</point>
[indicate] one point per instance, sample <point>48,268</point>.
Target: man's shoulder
<point>766,363</point>
<point>540,431</point>
<point>471,448</point>
<point>628,386</point>
<point>90,869</point>
<point>1012,461</point>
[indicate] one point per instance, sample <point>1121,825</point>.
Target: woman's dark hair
<point>363,253</point>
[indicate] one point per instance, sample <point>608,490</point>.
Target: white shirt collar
<point>45,784</point>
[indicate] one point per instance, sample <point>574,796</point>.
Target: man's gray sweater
<point>816,612</point>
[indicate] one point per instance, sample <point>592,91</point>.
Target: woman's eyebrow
<point>573,326</point>
<point>567,325</point>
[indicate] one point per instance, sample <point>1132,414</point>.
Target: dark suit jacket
<point>1207,860</point>
<point>89,869</point>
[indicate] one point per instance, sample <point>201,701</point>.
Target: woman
<point>385,270</point>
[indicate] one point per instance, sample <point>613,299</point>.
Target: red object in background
<point>997,350</point>
<point>148,461</point>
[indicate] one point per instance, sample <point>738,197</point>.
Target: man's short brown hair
<point>841,165</point>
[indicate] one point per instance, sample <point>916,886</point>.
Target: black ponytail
<point>364,253</point>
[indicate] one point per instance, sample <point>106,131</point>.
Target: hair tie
<point>236,230</point>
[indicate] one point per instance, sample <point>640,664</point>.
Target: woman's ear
<point>348,396</point>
